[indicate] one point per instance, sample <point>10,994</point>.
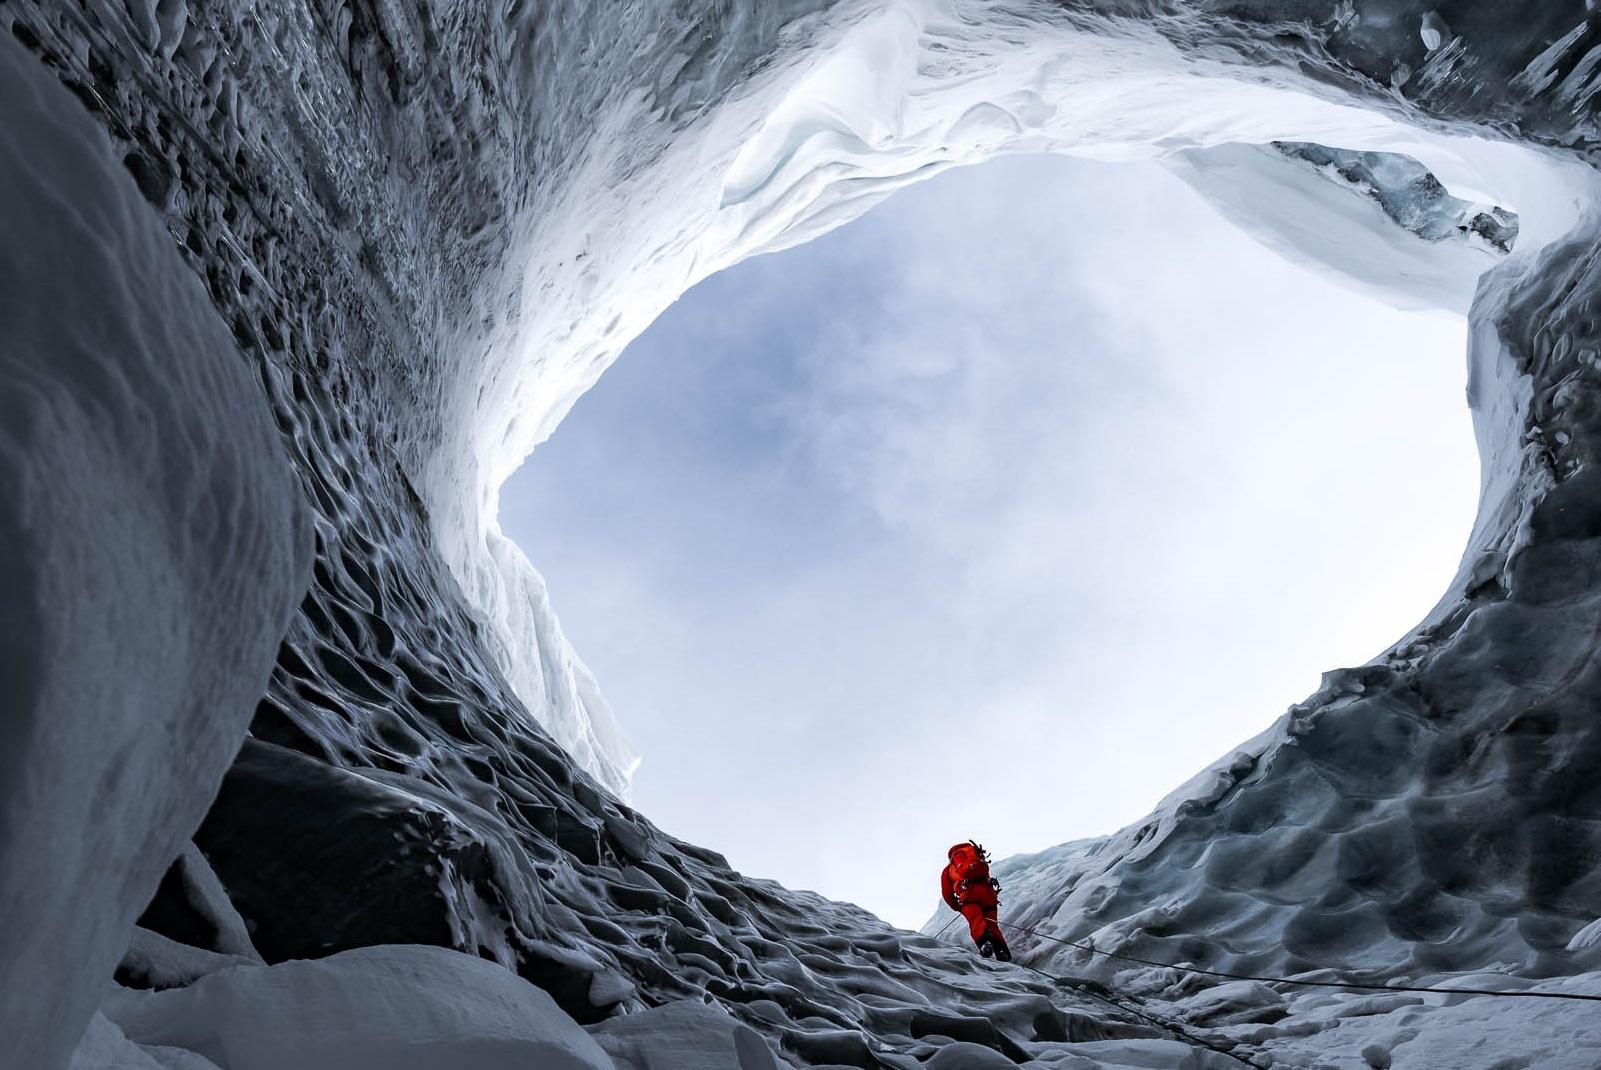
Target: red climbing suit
<point>966,886</point>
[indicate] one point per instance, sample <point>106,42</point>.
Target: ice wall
<point>1433,810</point>
<point>428,229</point>
<point>154,550</point>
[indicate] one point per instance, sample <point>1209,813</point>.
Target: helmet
<point>968,845</point>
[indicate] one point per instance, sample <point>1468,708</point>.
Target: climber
<point>967,887</point>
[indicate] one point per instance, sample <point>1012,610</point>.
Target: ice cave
<point>300,771</point>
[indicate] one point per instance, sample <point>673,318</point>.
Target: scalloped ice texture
<point>430,228</point>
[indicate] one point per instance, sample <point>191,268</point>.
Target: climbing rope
<point>1165,1025</point>
<point>1349,985</point>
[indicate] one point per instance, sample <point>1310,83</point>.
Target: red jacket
<point>967,878</point>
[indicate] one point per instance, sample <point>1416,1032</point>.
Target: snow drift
<point>428,229</point>
<point>154,547</point>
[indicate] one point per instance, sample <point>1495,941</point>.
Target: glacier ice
<point>154,549</point>
<point>407,238</point>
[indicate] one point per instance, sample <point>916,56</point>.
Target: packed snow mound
<point>410,1007</point>
<point>428,229</point>
<point>375,1008</point>
<point>154,549</point>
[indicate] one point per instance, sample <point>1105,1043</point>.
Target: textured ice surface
<point>153,550</point>
<point>1409,194</point>
<point>429,227</point>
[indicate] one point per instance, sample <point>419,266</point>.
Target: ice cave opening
<point>1041,477</point>
<point>300,769</point>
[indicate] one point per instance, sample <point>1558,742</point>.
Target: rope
<point>1163,1024</point>
<point>1349,985</point>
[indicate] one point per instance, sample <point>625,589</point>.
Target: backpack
<point>970,865</point>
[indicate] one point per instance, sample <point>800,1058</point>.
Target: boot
<point>993,947</point>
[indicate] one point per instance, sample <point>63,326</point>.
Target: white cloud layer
<point>997,513</point>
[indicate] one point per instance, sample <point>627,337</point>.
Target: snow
<point>1587,937</point>
<point>207,895</point>
<point>1339,227</point>
<point>154,551</point>
<point>1355,1033</point>
<point>376,1008</point>
<point>1152,1055</point>
<point>104,1047</point>
<point>684,1036</point>
<point>427,229</point>
<point>159,961</point>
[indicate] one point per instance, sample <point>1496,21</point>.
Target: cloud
<point>996,513</point>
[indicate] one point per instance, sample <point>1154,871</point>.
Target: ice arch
<point>428,227</point>
<point>897,93</point>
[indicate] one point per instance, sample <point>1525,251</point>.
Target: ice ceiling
<point>427,230</point>
<point>907,91</point>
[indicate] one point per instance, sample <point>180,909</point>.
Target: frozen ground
<point>423,231</point>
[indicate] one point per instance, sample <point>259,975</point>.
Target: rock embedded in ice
<point>1328,209</point>
<point>1411,196</point>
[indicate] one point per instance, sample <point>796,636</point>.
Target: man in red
<point>967,886</point>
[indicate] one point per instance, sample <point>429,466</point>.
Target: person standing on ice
<point>967,887</point>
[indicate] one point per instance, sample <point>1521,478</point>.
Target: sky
<point>997,513</point>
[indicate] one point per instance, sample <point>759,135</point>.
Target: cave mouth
<point>895,99</point>
<point>995,513</point>
<point>641,184</point>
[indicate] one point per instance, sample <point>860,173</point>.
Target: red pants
<point>981,921</point>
